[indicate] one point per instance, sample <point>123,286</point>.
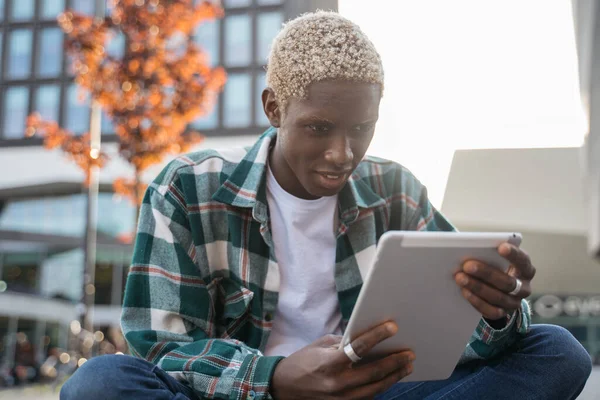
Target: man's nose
<point>339,152</point>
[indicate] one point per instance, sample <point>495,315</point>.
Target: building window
<point>237,3</point>
<point>209,121</point>
<point>19,53</point>
<point>51,8</point>
<point>103,283</point>
<point>237,101</point>
<point>268,26</point>
<point>107,126</point>
<point>83,6</point>
<point>4,328</point>
<point>26,346</point>
<point>50,52</point>
<point>20,272</point>
<point>52,337</point>
<point>115,46</point>
<point>61,275</point>
<point>78,110</point>
<point>48,215</point>
<point>238,40</point>
<point>65,215</point>
<point>16,102</point>
<point>207,37</point>
<point>22,10</point>
<point>260,117</point>
<point>47,102</point>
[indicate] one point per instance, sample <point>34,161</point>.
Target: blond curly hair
<point>320,46</point>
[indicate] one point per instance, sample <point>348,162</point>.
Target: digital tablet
<point>411,282</point>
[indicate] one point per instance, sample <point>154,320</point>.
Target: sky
<point>471,74</point>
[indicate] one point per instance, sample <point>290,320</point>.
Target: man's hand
<point>323,371</point>
<point>487,288</point>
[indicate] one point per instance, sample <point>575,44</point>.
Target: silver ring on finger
<point>351,354</point>
<point>517,288</point>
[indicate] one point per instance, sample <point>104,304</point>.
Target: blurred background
<point>482,102</point>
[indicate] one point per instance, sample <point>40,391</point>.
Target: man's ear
<point>271,107</point>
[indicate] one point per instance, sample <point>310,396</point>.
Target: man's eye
<point>319,128</point>
<point>363,128</point>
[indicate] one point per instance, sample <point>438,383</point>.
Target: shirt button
<point>268,317</point>
<point>251,394</point>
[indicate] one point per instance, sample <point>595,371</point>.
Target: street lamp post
<point>89,288</point>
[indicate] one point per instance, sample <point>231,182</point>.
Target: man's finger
<point>487,310</point>
<point>519,259</point>
<point>371,390</point>
<point>365,342</point>
<point>378,370</point>
<point>492,295</point>
<point>329,341</point>
<point>485,273</point>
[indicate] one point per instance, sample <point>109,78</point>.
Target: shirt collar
<point>246,186</point>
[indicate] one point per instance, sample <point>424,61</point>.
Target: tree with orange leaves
<point>150,94</point>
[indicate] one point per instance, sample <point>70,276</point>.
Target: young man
<point>247,264</point>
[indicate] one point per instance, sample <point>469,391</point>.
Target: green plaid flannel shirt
<point>203,285</point>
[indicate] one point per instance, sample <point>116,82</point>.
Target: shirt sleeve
<point>486,342</point>
<point>169,312</point>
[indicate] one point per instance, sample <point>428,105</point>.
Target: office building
<point>540,193</point>
<point>42,201</point>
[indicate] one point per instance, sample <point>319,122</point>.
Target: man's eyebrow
<point>315,118</point>
<point>367,122</point>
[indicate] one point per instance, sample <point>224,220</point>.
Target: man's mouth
<point>332,176</point>
<point>332,179</point>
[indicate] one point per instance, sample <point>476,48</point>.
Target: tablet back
<point>411,282</point>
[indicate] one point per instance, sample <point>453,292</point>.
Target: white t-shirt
<point>303,234</point>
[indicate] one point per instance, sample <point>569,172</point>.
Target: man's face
<point>321,139</point>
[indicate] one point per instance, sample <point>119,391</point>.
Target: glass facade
<point>16,102</point>
<point>83,6</point>
<point>20,43</point>
<point>50,55</point>
<point>269,24</point>
<point>207,35</point>
<point>20,271</point>
<point>65,215</point>
<point>47,101</point>
<point>22,10</point>
<point>41,255</point>
<point>61,275</point>
<point>58,274</point>
<point>237,3</point>
<point>237,98</point>
<point>32,76</point>
<point>116,45</point>
<point>238,40</point>
<point>77,111</point>
<point>34,58</point>
<point>51,9</point>
<point>209,121</point>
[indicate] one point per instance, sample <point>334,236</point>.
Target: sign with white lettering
<point>551,306</point>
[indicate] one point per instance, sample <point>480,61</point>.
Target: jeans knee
<point>573,356</point>
<point>95,379</point>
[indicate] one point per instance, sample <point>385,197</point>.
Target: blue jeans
<point>548,363</point>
